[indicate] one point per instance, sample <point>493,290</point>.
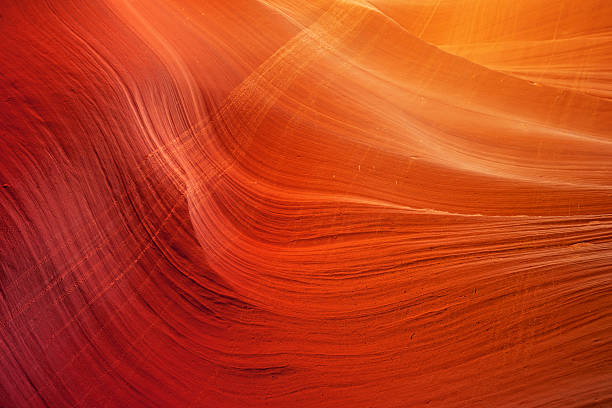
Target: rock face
<point>383,203</point>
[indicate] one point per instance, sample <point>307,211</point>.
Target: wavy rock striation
<point>292,204</point>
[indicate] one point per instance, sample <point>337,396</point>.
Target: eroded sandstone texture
<point>287,203</point>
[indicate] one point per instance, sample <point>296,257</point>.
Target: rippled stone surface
<point>281,203</point>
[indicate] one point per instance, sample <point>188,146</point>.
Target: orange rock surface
<point>281,203</point>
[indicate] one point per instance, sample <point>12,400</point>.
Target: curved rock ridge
<point>278,203</point>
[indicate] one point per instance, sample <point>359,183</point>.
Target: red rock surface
<point>306,204</point>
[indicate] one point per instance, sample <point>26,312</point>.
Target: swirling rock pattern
<point>248,203</point>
